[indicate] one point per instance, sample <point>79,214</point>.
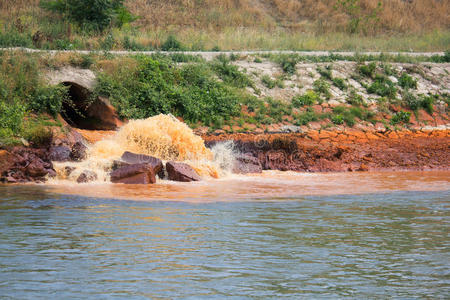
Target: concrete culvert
<point>81,111</point>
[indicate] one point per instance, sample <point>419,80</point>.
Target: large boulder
<point>181,172</point>
<point>59,153</point>
<point>245,164</point>
<point>134,174</point>
<point>36,168</point>
<point>129,158</point>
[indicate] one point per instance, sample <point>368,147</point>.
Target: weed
<point>340,83</point>
<point>172,44</point>
<point>407,82</point>
<point>268,82</point>
<point>322,87</point>
<point>288,63</point>
<point>230,74</point>
<point>307,99</point>
<point>383,87</point>
<point>368,70</point>
<point>325,72</point>
<point>354,98</point>
<point>401,117</point>
<point>305,118</point>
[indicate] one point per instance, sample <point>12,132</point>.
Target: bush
<point>12,38</point>
<point>368,70</point>
<point>288,63</point>
<point>268,82</point>
<point>411,101</point>
<point>48,99</point>
<point>91,15</point>
<point>354,98</point>
<point>407,82</point>
<point>307,99</point>
<point>325,72</point>
<point>337,119</point>
<point>340,83</point>
<point>401,117</point>
<point>11,118</point>
<point>172,44</point>
<point>230,74</point>
<point>305,118</point>
<point>322,88</point>
<point>426,102</point>
<point>158,86</point>
<point>383,87</point>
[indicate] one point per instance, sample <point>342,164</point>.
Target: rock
<point>68,170</point>
<point>291,128</point>
<point>133,158</point>
<point>59,153</point>
<point>87,176</point>
<point>7,160</point>
<point>36,168</point>
<point>142,173</point>
<point>181,172</point>
<point>51,173</point>
<point>79,152</point>
<point>245,164</point>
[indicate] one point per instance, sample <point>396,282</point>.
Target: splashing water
<point>161,136</point>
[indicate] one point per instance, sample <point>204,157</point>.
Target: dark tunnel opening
<point>81,111</point>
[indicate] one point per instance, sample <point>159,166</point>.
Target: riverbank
<point>345,150</point>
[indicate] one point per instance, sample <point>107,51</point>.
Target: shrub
<point>309,98</point>
<point>426,102</point>
<point>159,86</point>
<point>354,98</point>
<point>337,119</point>
<point>172,44</point>
<point>230,74</point>
<point>91,15</point>
<point>411,101</point>
<point>48,99</point>
<point>407,82</point>
<point>401,117</point>
<point>305,118</point>
<point>368,70</point>
<point>383,87</point>
<point>12,38</point>
<point>322,88</point>
<point>325,72</point>
<point>130,44</point>
<point>288,63</point>
<point>340,83</point>
<point>11,118</point>
<point>268,82</point>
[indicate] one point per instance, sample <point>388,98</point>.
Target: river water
<point>279,235</point>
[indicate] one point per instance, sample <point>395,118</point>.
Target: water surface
<point>367,245</point>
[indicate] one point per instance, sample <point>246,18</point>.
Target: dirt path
<point>208,55</point>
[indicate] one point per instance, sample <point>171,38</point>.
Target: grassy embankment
<point>216,94</point>
<point>396,25</point>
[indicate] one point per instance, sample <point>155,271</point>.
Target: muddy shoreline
<point>348,150</point>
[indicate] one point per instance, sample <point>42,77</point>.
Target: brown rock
<point>245,164</point>
<point>7,160</point>
<point>134,174</point>
<point>79,152</point>
<point>59,153</point>
<point>133,158</point>
<point>36,168</point>
<point>87,176</point>
<point>181,172</point>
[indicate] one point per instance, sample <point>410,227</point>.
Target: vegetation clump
<point>307,99</point>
